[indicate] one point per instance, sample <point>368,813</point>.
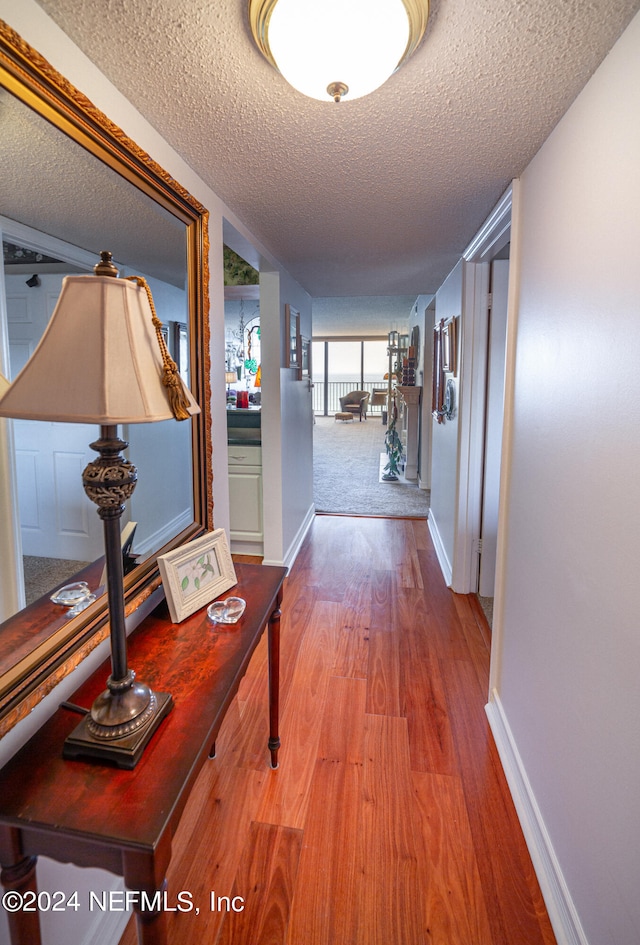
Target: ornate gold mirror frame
<point>30,78</point>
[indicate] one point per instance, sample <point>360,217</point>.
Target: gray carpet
<point>43,575</point>
<point>346,466</point>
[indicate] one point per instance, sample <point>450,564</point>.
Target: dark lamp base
<point>126,751</point>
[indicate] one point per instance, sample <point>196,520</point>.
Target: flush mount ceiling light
<point>330,49</point>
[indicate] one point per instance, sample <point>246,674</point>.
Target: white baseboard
<point>562,911</point>
<point>246,547</point>
<point>164,534</point>
<point>445,564</point>
<point>293,549</point>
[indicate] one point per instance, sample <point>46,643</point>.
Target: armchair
<point>356,402</point>
<point>379,398</point>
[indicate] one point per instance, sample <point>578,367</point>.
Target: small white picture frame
<point>195,573</point>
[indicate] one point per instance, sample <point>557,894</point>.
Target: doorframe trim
<point>464,577</point>
<point>493,235</point>
<point>495,232</point>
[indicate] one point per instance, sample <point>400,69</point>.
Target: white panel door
<point>57,520</point>
<point>493,425</point>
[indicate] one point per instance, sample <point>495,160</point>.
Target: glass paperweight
<point>226,611</point>
<point>70,594</point>
<point>75,596</point>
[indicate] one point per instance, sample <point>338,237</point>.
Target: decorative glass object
<point>226,611</point>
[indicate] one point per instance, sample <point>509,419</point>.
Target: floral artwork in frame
<point>195,573</point>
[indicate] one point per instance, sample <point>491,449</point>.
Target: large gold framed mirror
<point>74,184</point>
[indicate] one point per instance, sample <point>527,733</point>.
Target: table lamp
<point>230,377</point>
<point>102,359</point>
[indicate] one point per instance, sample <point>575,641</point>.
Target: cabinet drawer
<point>245,455</point>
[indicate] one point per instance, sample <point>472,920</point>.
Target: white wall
<point>566,652</point>
<point>287,425</point>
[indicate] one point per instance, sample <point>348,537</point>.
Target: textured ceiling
<point>39,191</point>
<point>362,315</point>
<point>376,197</point>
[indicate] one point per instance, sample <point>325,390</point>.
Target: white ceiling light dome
<point>334,49</point>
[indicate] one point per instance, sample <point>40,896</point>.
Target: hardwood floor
<point>389,821</point>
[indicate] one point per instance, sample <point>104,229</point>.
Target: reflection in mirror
<point>64,198</point>
<point>59,529</point>
<point>242,328</point>
<point>243,356</point>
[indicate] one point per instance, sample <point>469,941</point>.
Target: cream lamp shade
<point>230,377</point>
<point>330,49</point>
<point>98,361</point>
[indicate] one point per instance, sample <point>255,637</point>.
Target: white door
<point>493,425</point>
<point>57,519</point>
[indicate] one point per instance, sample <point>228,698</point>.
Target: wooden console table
<point>123,821</point>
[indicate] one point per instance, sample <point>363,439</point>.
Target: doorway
<point>479,459</point>
<point>494,418</point>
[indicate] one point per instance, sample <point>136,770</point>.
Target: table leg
<point>274,681</point>
<point>145,873</point>
<point>151,926</point>
<point>18,876</point>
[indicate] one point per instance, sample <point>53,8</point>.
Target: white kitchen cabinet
<point>245,495</point>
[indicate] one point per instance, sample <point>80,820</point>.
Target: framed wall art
<point>449,347</point>
<point>305,357</point>
<point>195,573</point>
<point>180,349</point>
<point>292,329</point>
<point>437,389</point>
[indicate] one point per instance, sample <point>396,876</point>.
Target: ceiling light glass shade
<point>330,49</point>
<point>98,360</point>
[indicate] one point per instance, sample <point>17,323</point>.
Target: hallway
<point>389,821</point>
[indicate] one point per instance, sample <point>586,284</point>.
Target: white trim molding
<point>560,907</point>
<point>495,232</point>
<point>296,544</point>
<point>471,427</point>
<point>492,237</point>
<point>438,544</point>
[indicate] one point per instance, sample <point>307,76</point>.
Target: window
<point>343,366</point>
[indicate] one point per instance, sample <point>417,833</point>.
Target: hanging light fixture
<point>334,49</point>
